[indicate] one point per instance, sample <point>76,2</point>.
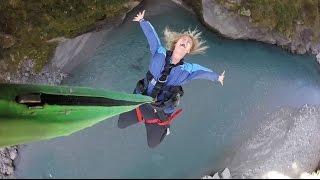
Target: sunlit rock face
<point>288,144</point>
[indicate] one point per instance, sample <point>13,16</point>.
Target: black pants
<point>155,132</point>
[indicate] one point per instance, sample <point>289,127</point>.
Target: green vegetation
<point>32,23</point>
<point>281,15</point>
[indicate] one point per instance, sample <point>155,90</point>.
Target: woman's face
<point>183,46</point>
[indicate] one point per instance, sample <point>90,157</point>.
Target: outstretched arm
<point>149,32</point>
<point>197,71</point>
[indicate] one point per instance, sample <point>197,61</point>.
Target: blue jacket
<point>179,75</point>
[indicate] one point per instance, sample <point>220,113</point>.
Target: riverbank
<point>285,24</point>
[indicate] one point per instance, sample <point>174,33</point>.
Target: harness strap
<point>176,92</point>
<point>139,115</point>
<point>164,75</point>
<point>164,123</point>
<point>155,120</point>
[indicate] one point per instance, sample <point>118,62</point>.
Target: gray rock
<point>26,74</point>
<point>58,40</point>
<point>301,50</point>
<point>8,170</point>
<point>318,58</point>
<point>182,4</point>
<point>6,163</point>
<point>245,12</point>
<point>216,176</point>
<point>239,26</point>
<point>6,160</point>
<point>226,174</point>
<point>232,25</point>
<point>2,151</point>
<point>13,154</point>
<point>207,177</point>
<point>287,143</point>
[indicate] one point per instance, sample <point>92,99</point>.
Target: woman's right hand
<point>139,16</point>
<point>221,78</point>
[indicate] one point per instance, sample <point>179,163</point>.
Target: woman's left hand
<point>221,78</point>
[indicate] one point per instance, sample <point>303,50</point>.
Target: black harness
<point>171,93</point>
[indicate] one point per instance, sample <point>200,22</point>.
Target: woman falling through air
<point>167,73</point>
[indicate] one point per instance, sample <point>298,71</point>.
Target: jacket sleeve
<point>151,35</point>
<point>196,71</point>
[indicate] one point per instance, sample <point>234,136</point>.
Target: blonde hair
<point>171,38</point>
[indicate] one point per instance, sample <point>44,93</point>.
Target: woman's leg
<point>155,132</point>
<point>127,119</point>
